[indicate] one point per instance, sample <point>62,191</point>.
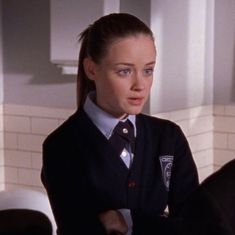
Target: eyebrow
<point>129,64</point>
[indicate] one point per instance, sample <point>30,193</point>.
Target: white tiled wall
<point>1,150</point>
<point>210,132</point>
<point>224,134</point>
<point>25,128</point>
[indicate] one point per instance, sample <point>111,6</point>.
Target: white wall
<point>29,76</point>
<point>1,57</point>
<point>63,33</point>
<point>140,8</point>
<point>1,108</point>
<point>180,29</point>
<point>195,41</point>
<point>224,49</point>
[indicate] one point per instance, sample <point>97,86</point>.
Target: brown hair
<point>95,41</point>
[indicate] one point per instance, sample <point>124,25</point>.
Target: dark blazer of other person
<point>211,209</point>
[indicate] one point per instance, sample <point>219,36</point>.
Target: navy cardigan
<point>84,176</point>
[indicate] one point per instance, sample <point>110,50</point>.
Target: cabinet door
<point>68,19</point>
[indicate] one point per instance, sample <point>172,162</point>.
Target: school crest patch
<point>166,167</point>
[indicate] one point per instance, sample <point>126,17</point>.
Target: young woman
<point>89,178</point>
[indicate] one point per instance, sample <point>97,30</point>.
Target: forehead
<point>131,47</point>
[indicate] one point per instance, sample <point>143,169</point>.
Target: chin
<point>134,111</point>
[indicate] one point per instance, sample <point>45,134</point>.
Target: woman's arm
<point>71,204</point>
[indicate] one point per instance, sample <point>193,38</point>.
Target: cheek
<point>108,90</point>
<point>116,86</point>
<point>151,82</point>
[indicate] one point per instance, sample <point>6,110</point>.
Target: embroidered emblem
<point>166,167</point>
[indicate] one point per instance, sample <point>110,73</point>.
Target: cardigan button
<point>131,184</point>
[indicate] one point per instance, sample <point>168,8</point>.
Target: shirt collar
<point>103,120</point>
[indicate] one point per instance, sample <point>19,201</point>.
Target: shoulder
<point>164,129</point>
<point>156,123</point>
<point>222,178</point>
<point>66,131</point>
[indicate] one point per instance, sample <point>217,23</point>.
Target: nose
<point>138,82</point>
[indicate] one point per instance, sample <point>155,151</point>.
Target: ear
<point>89,68</point>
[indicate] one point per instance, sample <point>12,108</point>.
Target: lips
<point>135,100</point>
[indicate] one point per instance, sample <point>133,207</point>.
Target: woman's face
<point>124,76</point>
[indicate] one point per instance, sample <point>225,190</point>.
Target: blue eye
<point>148,72</point>
<point>123,72</point>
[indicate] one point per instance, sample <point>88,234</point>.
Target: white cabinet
<point>68,19</point>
